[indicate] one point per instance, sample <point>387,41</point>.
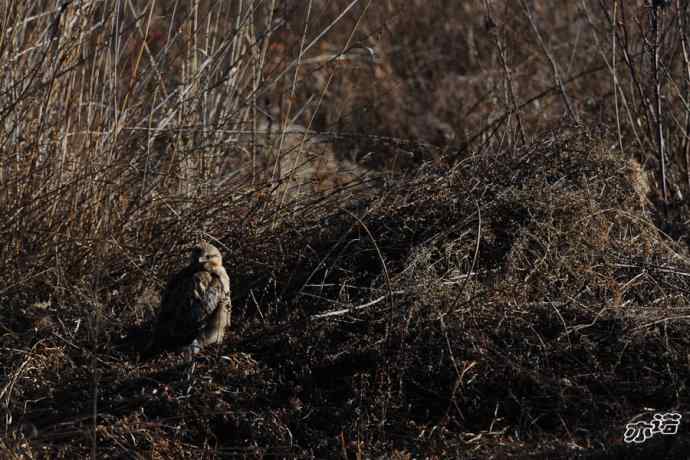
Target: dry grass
<point>451,231</point>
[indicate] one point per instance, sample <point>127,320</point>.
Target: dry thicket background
<point>454,229</point>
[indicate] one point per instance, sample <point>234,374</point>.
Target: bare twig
<point>345,311</point>
<point>682,29</point>
<point>558,80</point>
<point>655,50</point>
<point>507,72</point>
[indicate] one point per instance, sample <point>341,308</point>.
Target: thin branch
<point>558,80</point>
<point>344,311</point>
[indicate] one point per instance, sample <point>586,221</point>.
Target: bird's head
<point>207,256</point>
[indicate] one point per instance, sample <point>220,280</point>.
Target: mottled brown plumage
<point>195,306</point>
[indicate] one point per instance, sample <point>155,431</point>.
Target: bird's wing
<point>188,304</point>
<point>208,295</point>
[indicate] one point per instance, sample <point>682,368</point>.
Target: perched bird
<point>195,305</point>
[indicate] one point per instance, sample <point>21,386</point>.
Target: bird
<point>195,304</point>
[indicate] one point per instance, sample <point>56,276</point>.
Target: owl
<point>195,305</point>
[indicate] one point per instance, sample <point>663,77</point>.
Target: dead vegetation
<point>451,232</point>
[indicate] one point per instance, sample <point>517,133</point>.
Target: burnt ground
<point>520,304</point>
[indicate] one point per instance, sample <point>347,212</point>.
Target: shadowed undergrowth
<point>452,311</point>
